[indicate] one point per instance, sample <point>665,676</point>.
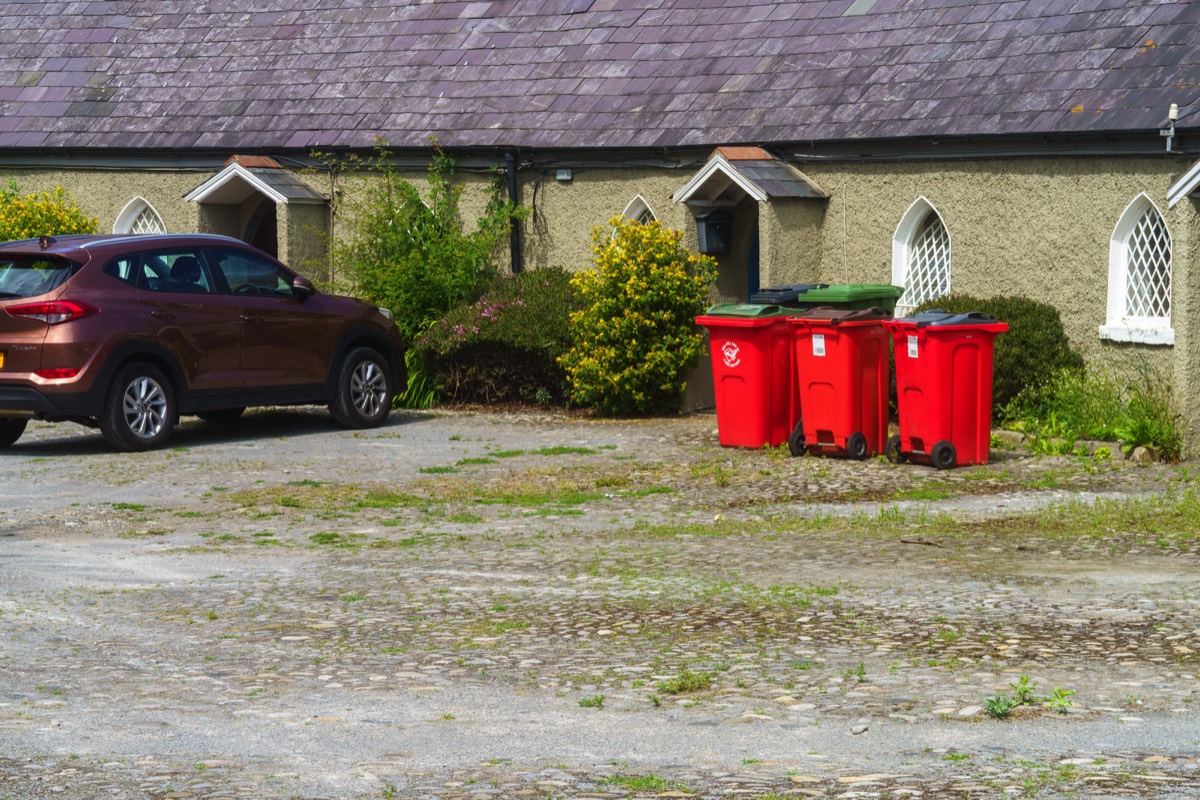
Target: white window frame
<point>133,209</point>
<point>902,241</point>
<point>1118,326</point>
<point>637,209</point>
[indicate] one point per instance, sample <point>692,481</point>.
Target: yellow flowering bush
<point>41,214</point>
<point>636,335</point>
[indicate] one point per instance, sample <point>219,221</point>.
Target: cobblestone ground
<point>484,606</point>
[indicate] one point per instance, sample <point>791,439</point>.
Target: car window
<point>29,275</point>
<point>126,269</point>
<point>247,273</point>
<point>177,271</point>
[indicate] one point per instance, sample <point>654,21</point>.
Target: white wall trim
<point>130,213</point>
<point>903,237</point>
<point>1140,334</point>
<point>718,163</point>
<point>234,170</point>
<point>637,206</point>
<point>1184,186</point>
<point>1117,326</point>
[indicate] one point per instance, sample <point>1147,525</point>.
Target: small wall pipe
<point>514,235</point>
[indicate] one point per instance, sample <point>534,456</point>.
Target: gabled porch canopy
<point>244,176</point>
<point>1184,186</point>
<point>751,170</point>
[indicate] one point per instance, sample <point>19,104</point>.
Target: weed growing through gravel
<point>686,683</point>
<point>1023,690</point>
<point>1060,699</point>
<point>596,701</point>
<point>999,705</point>
<point>648,783</point>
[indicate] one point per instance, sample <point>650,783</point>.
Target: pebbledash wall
<point>1038,227</point>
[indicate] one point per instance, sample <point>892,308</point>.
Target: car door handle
<point>162,315</point>
<point>250,318</point>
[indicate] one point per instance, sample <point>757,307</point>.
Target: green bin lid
<point>747,310</point>
<point>852,292</point>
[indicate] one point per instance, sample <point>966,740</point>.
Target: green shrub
<point>1101,403</point>
<point>635,335</point>
<point>415,257</point>
<point>1152,416</point>
<point>1034,351</point>
<point>506,345</point>
<point>41,214</point>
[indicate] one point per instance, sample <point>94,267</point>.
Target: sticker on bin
<point>912,347</point>
<point>818,344</point>
<point>732,357</point>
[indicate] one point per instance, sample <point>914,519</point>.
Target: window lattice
<point>928,263</point>
<point>147,222</point>
<point>1148,275</point>
<point>647,216</point>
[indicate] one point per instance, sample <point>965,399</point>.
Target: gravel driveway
<point>485,606</point>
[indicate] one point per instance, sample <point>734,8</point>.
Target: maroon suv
<point>129,332</point>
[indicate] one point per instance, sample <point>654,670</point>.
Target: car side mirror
<point>302,287</point>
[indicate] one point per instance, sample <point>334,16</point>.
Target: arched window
<point>639,210</point>
<point>1139,277</point>
<point>920,256</point>
<point>139,216</point>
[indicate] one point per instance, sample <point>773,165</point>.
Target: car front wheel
<point>139,411</point>
<point>362,396</point>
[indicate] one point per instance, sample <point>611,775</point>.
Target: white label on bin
<point>912,347</point>
<point>730,350</point>
<point>818,344</point>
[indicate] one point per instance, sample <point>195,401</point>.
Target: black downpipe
<point>514,235</point>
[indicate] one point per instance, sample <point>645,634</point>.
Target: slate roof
<point>242,75</point>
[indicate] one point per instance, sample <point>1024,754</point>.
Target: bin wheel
<point>796,441</point>
<point>856,446</point>
<point>892,450</point>
<point>943,455</point>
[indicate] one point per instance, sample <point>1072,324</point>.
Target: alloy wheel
<point>368,388</point>
<point>145,407</point>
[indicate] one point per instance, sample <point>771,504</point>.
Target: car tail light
<point>56,374</point>
<point>54,312</point>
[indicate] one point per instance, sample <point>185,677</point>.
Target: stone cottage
<point>1040,147</point>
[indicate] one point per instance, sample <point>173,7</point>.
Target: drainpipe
<point>514,236</point>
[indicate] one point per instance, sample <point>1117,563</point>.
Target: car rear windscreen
<point>32,275</point>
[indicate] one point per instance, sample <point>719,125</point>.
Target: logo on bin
<point>730,350</point>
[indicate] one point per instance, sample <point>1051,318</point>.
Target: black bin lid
<point>937,318</point>
<point>784,294</point>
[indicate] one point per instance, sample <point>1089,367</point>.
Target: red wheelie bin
<point>753,380</point>
<point>944,388</point>
<point>842,371</point>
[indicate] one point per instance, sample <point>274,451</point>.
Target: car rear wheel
<point>139,411</point>
<point>362,396</point>
<point>11,430</point>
